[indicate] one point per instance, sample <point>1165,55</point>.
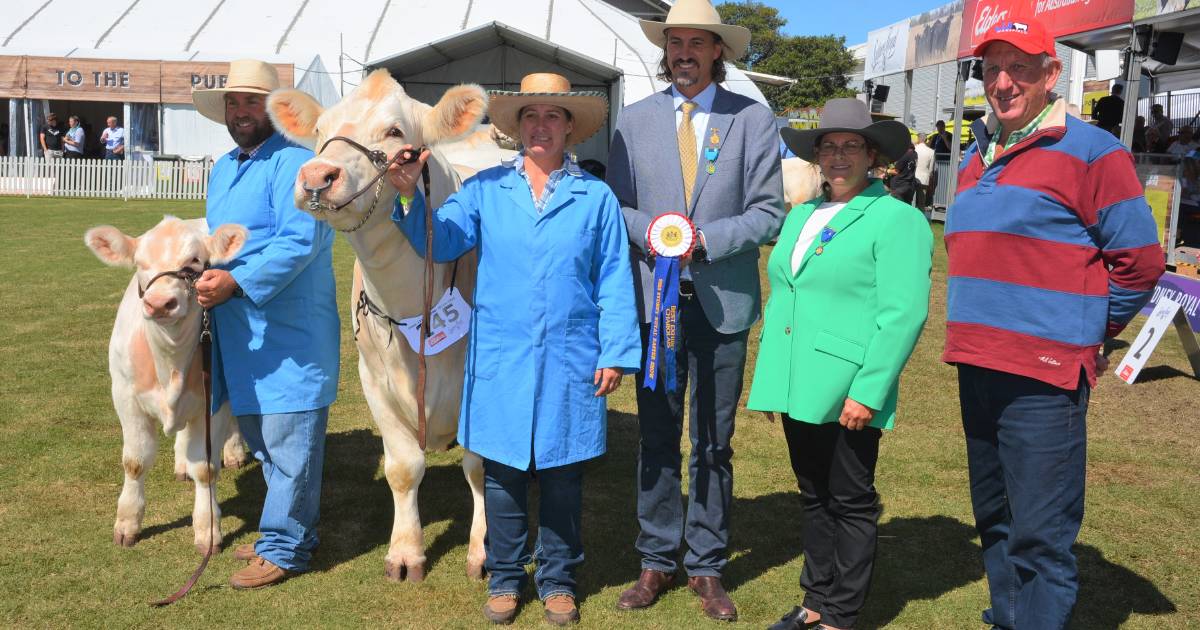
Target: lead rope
<point>427,281</point>
<point>206,371</point>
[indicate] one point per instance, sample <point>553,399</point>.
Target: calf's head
<point>180,248</point>
<point>378,115</point>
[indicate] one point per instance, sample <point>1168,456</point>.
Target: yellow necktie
<point>687,152</point>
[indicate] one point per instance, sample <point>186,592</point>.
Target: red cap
<point>1027,34</point>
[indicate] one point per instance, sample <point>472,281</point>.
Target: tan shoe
<point>245,552</point>
<point>501,609</point>
<point>561,610</point>
<point>259,573</point>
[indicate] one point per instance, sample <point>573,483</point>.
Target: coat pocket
<point>845,349</point>
<point>581,349</point>
<point>484,361</point>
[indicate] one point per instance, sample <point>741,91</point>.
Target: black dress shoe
<point>797,619</point>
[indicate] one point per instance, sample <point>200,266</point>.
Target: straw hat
<point>699,14</point>
<point>588,109</point>
<point>245,75</point>
<point>849,115</point>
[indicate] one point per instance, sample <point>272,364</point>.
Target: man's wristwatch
<point>237,291</point>
<point>699,252</point>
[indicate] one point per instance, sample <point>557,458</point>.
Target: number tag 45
<point>449,321</point>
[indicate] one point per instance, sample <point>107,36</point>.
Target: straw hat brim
<point>735,39</point>
<point>588,110</point>
<point>891,136</point>
<point>211,103</point>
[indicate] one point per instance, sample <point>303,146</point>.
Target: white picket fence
<point>121,179</point>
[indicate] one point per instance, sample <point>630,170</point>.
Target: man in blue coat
<point>700,150</point>
<point>276,328</point>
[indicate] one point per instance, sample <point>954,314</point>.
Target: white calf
<point>155,366</point>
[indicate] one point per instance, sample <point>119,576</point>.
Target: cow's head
<point>379,115</point>
<point>172,245</point>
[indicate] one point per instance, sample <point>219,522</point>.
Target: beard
<point>252,136</point>
<point>684,78</point>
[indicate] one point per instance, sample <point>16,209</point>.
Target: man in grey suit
<point>729,184</point>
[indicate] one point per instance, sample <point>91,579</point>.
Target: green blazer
<point>846,323</point>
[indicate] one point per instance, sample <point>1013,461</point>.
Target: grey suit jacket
<point>739,206</point>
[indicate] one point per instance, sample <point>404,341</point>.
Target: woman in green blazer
<point>849,281</point>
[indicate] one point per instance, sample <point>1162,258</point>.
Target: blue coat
<point>553,303</point>
<point>276,349</point>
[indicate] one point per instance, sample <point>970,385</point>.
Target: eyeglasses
<point>829,149</point>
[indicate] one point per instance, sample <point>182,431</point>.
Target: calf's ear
<point>295,115</point>
<point>455,115</point>
<point>225,243</point>
<point>112,246</point>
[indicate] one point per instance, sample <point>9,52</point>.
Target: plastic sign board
<point>1152,332</point>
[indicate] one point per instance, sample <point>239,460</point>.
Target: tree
<point>764,23</point>
<point>820,63</point>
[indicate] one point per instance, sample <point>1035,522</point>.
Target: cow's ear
<point>225,243</point>
<point>456,115</point>
<point>295,114</point>
<point>112,246</point>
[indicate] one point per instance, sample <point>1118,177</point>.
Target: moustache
<point>675,64</point>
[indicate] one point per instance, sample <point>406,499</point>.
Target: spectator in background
<point>925,159</point>
<point>113,138</point>
<point>941,139</point>
<point>51,136</point>
<point>903,183</point>
<point>1110,109</point>
<point>73,139</point>
<point>1162,127</point>
<point>1139,134</point>
<point>1185,144</point>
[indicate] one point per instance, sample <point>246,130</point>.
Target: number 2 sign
<point>1166,312</point>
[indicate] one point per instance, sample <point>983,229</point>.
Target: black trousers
<point>835,468</point>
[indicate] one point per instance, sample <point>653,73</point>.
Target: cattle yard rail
<point>111,179</point>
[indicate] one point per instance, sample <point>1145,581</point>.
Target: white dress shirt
<point>812,227</point>
<point>704,105</point>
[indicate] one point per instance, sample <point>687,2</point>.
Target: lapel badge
<point>819,250</point>
<point>715,138</point>
<point>826,236</point>
<point>710,154</point>
<point>711,168</point>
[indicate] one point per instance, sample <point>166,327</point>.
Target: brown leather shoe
<point>501,609</point>
<point>245,552</point>
<point>561,610</point>
<point>713,599</point>
<point>650,584</point>
<point>259,573</point>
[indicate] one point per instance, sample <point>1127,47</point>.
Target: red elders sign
<point>1061,17</point>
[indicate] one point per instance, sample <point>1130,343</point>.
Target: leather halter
<point>379,160</point>
<point>187,274</point>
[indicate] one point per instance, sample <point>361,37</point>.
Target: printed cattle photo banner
<point>933,36</point>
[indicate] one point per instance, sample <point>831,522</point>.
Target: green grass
<point>60,475</point>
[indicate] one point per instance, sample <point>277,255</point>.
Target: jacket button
<point>787,331</point>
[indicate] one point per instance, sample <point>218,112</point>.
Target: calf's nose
<point>319,175</point>
<point>159,305</point>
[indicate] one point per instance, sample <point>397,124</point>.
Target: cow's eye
<point>395,132</point>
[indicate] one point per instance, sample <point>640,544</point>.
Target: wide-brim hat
<point>245,75</point>
<point>848,115</point>
<point>699,14</point>
<point>588,109</point>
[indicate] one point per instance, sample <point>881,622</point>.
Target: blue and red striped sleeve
<point>1126,233</point>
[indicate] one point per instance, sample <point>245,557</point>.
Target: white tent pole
<point>960,95</point>
<point>1133,78</point>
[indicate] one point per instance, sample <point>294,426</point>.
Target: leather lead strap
<point>206,370</point>
<point>426,311</point>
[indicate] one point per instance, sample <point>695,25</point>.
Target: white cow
<point>388,280</point>
<point>155,366</point>
<point>801,181</point>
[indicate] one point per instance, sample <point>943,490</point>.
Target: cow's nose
<point>319,175</point>
<point>159,305</point>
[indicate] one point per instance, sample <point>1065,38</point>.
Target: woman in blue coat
<point>553,330</point>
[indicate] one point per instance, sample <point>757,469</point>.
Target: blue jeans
<point>559,548</point>
<point>291,447</point>
<point>1027,456</point>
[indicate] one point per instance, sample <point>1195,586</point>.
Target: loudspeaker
<point>881,91</point>
<point>1144,33</point>
<point>1165,47</point>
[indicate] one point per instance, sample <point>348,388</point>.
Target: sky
<point>851,18</point>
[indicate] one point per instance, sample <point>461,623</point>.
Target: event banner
<point>1182,289</point>
<point>886,49</point>
<point>933,36</point>
<point>1149,8</point>
<point>1061,17</point>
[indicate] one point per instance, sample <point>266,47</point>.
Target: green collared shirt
<point>1017,135</point>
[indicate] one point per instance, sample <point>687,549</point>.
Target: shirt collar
<point>570,163</point>
<point>237,152</point>
<point>703,100</point>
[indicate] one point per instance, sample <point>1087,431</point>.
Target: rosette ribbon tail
<point>663,342</point>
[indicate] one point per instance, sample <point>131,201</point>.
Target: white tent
<point>596,43</point>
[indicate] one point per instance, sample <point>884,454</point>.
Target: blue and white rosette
<point>670,236</point>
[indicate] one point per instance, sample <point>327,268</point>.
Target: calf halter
<point>187,274</point>
<point>380,161</point>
